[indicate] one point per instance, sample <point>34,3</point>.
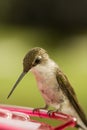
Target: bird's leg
<point>57,110</point>
<point>44,108</point>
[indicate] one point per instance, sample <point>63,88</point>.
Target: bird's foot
<point>44,108</point>
<point>50,112</point>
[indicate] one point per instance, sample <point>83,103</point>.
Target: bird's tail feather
<point>80,127</point>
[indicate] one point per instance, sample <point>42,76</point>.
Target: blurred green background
<point>67,45</point>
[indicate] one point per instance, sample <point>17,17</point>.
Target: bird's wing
<point>69,92</point>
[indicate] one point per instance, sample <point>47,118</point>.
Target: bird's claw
<point>51,112</point>
<point>36,110</point>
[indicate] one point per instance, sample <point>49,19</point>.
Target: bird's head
<point>33,58</point>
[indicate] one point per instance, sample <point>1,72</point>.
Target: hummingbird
<point>53,84</point>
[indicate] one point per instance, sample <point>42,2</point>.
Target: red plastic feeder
<point>19,118</point>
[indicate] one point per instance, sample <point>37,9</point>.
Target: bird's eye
<point>38,59</point>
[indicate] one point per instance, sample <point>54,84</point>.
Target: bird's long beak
<point>15,85</point>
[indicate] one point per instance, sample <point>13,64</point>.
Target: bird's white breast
<point>47,83</point>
